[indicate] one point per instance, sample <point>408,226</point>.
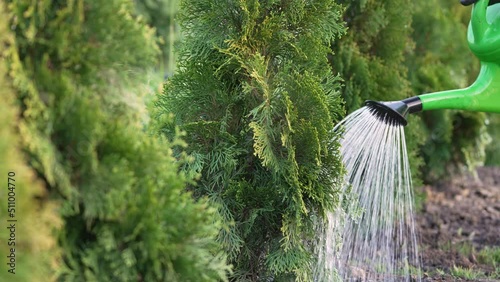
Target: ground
<point>459,228</point>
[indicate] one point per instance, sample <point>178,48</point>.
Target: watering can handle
<point>469,2</point>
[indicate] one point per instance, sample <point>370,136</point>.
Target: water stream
<point>371,236</point>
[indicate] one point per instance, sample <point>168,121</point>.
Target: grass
<point>467,273</point>
<point>440,272</point>
<point>490,256</point>
<point>487,260</point>
<point>466,249</point>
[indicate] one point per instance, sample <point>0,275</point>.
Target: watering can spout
<point>483,95</point>
<point>395,112</point>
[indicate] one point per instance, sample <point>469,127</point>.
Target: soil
<point>460,217</point>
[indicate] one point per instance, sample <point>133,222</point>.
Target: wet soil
<point>460,217</point>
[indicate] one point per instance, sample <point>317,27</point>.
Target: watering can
<point>483,95</point>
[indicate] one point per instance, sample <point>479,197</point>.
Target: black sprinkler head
<point>395,111</point>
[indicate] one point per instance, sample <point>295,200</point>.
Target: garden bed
<point>459,228</point>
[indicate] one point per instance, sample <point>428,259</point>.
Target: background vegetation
<point>455,140</point>
<point>371,59</point>
<point>37,253</point>
<point>106,184</point>
<point>160,14</point>
<point>79,73</point>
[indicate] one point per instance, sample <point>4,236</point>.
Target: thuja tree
<point>371,59</point>
<point>442,60</point>
<point>258,101</point>
<point>28,215</point>
<point>76,68</point>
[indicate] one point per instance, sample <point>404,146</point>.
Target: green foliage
<point>493,150</point>
<point>148,228</point>
<point>490,256</point>
<point>370,57</point>
<point>258,101</point>
<point>442,60</point>
<point>77,68</point>
<point>459,272</point>
<point>160,14</point>
<point>371,60</point>
<point>35,247</point>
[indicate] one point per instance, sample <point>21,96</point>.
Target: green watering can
<point>483,95</point>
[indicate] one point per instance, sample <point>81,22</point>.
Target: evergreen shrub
<point>78,70</point>
<point>258,101</point>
